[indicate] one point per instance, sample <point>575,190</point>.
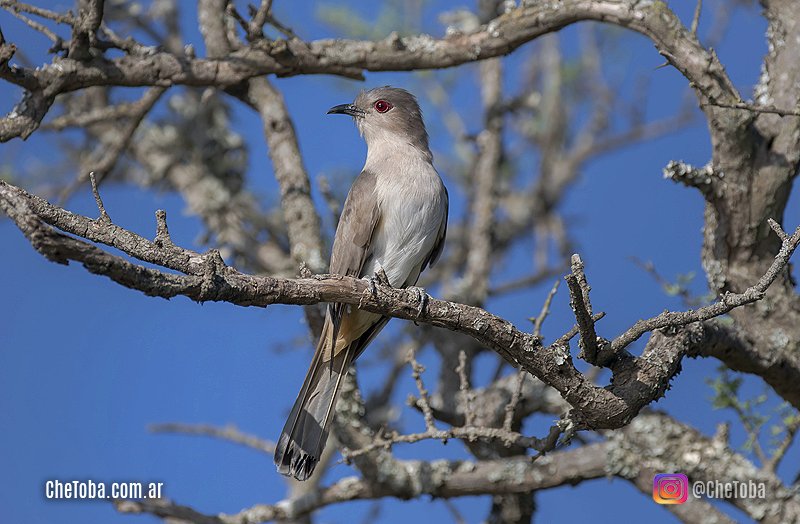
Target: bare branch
<point>207,278</point>
<point>582,307</point>
<point>112,152</point>
<point>755,108</point>
<point>103,215</point>
<point>791,430</point>
<point>467,395</point>
<point>469,433</point>
<point>416,370</point>
<point>106,114</point>
<point>84,28</point>
<point>443,480</point>
<point>698,9</point>
<point>36,26</point>
<point>61,18</point>
<point>485,175</point>
<point>726,303</point>
<point>229,433</point>
<point>539,320</point>
<point>350,57</point>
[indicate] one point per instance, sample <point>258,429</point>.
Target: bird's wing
<point>440,235</point>
<point>360,216</point>
<point>353,241</point>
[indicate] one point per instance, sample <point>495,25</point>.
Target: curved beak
<point>346,109</point>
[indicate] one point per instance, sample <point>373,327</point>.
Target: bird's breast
<point>412,205</point>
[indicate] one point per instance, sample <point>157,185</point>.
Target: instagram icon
<point>670,488</point>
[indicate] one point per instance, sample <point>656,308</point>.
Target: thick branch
<point>350,57</point>
<point>207,278</point>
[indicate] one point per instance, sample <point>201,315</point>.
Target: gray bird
<point>394,221</point>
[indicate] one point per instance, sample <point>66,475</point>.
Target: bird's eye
<point>381,106</point>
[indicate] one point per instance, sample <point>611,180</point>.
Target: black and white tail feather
<point>306,431</point>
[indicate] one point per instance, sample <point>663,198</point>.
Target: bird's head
<point>387,116</point>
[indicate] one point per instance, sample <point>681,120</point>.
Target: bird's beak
<point>346,109</point>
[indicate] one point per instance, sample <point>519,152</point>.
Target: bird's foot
<point>380,275</point>
<point>378,278</point>
<point>422,298</point>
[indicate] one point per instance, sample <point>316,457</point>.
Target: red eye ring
<point>382,106</point>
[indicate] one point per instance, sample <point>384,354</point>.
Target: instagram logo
<point>670,488</point>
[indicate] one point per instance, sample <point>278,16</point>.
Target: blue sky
<point>87,365</point>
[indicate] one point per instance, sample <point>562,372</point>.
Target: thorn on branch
<point>162,231</point>
<point>103,215</point>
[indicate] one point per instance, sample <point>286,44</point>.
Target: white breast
<point>411,197</point>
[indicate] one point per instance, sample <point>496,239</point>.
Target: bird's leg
<point>422,298</point>
<point>380,274</point>
<point>378,278</point>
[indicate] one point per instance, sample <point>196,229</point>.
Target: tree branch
<point>350,58</point>
<point>206,277</point>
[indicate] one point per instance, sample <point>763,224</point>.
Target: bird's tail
<point>306,431</point>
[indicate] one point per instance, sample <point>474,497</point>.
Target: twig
<point>13,5</point>
<point>726,303</point>
<point>334,206</point>
<point>259,18</point>
<point>458,518</point>
<point>574,330</point>
<point>681,290</point>
<point>511,407</point>
<point>539,320</point>
<point>114,151</point>
<point>128,44</point>
<point>229,433</point>
<point>424,403</point>
<point>582,307</point>
<point>509,438</point>
<point>754,108</point>
<point>526,281</point>
<point>162,230</point>
<point>103,215</point>
<point>771,465</point>
<point>467,395</point>
<point>102,114</point>
<point>36,26</point>
<point>696,18</point>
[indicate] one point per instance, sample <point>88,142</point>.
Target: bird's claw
<point>422,298</point>
<point>378,278</point>
<point>380,275</point>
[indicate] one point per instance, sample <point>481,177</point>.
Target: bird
<point>392,226</point>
